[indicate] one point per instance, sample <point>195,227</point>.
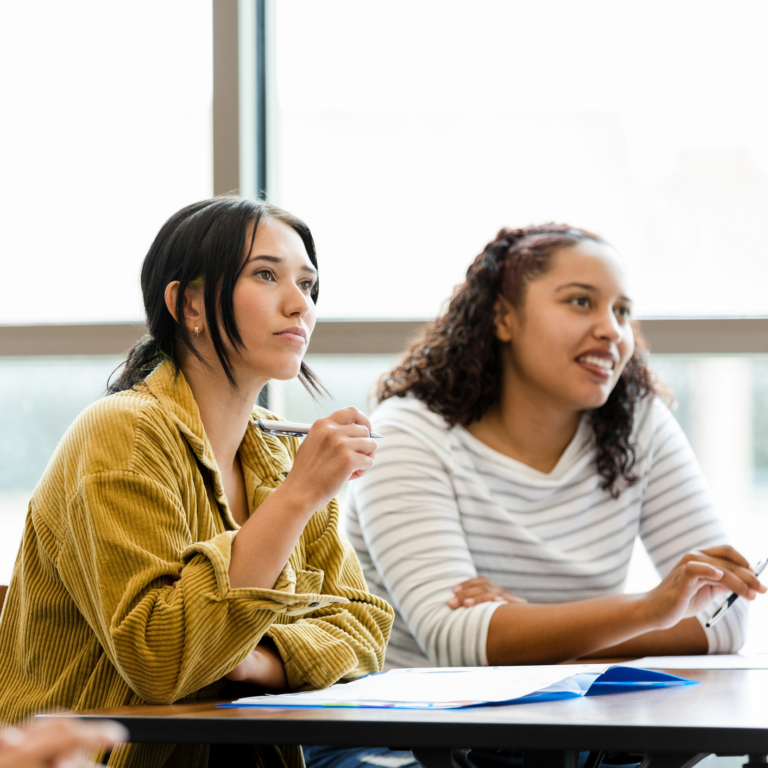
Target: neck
<point>527,425</point>
<point>224,410</point>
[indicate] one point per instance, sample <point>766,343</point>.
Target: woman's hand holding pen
<point>696,580</point>
<point>336,449</point>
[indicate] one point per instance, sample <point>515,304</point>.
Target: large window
<point>407,133</point>
<point>106,131</point>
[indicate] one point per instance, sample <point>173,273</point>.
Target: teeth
<point>600,362</point>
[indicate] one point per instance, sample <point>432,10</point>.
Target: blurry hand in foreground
<point>59,743</point>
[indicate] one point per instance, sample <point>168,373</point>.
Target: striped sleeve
<point>678,516</point>
<point>409,517</point>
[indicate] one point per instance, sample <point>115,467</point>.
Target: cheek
<point>625,353</point>
<point>627,349</point>
<point>546,346</point>
<point>311,318</point>
<point>250,305</point>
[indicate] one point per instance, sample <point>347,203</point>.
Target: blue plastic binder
<point>614,680</point>
<point>462,688</point>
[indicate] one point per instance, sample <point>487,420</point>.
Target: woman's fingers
<point>726,552</point>
<point>365,445</point>
<point>351,415</point>
<point>696,569</point>
<point>53,741</point>
<point>477,581</point>
<point>478,590</point>
<point>484,597</point>
<point>481,590</point>
<point>739,579</point>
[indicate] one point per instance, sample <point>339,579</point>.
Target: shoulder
<point>656,433</point>
<point>648,415</point>
<point>407,425</point>
<point>409,413</point>
<point>109,433</point>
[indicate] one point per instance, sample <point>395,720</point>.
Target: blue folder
<point>614,680</point>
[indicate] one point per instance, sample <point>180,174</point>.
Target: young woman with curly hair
<point>525,451</point>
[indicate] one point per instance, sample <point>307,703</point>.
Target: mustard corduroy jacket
<point>132,501</point>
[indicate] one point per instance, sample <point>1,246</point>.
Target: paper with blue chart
<point>458,687</point>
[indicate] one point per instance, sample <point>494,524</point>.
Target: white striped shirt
<point>439,507</point>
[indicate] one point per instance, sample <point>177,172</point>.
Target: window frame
<point>243,154</point>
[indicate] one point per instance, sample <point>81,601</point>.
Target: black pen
<point>289,428</point>
<point>720,612</point>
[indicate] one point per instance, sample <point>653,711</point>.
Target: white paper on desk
<point>450,687</point>
<point>713,661</point>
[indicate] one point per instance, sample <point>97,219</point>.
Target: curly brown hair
<point>454,365</point>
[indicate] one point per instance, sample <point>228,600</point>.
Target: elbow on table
<point>165,678</point>
<point>165,691</point>
<point>449,643</point>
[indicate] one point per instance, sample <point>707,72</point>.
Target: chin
<point>593,400</point>
<point>285,374</point>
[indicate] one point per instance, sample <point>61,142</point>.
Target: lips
<point>293,334</point>
<point>599,362</point>
<point>605,363</point>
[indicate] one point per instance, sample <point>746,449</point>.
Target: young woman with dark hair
<point>526,450</point>
<point>171,548</point>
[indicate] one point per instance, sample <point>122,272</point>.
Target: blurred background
<point>406,134</point>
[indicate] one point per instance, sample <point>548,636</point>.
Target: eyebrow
<point>587,287</point>
<point>280,260</point>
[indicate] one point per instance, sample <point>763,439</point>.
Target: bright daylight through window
<point>111,133</point>
<point>421,128</point>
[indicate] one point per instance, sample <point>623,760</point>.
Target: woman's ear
<point>506,320</point>
<point>194,308</point>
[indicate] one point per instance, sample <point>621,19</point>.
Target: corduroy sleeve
<point>336,641</point>
<point>127,539</point>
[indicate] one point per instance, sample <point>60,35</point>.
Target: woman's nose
<point>609,327</point>
<point>298,302</point>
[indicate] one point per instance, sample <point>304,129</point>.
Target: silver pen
<point>289,428</point>
<point>720,612</point>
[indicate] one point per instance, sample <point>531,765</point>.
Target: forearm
<point>549,634</point>
<point>536,634</point>
<point>263,545</point>
<point>685,638</point>
<point>263,667</point>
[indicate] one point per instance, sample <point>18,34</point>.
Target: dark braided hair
<point>454,366</point>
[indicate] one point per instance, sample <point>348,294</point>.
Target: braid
<point>145,356</point>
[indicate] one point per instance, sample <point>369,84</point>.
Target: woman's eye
<point>265,274</point>
<point>307,285</point>
<point>624,311</point>
<point>579,301</point>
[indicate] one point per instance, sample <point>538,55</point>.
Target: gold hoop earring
<point>197,332</point>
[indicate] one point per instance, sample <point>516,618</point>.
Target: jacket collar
<point>264,458</point>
